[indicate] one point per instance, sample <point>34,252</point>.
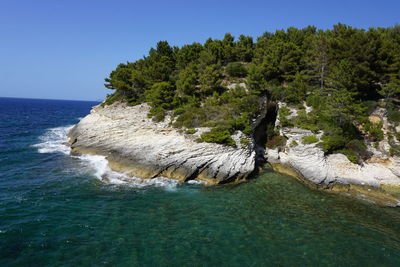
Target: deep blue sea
<point>56,211</point>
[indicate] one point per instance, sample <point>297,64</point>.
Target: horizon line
<point>56,99</point>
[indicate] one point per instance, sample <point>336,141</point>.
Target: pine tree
<point>316,60</point>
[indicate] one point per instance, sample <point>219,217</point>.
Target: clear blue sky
<point>63,49</point>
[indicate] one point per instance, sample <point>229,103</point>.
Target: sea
<point>55,210</point>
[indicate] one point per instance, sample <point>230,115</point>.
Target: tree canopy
<point>339,71</point>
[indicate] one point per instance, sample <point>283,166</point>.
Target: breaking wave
<point>104,173</point>
<point>54,140</point>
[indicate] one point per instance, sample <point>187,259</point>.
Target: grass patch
<point>191,131</point>
<point>244,141</point>
<point>310,139</point>
<point>283,113</point>
<point>219,135</point>
<point>374,130</point>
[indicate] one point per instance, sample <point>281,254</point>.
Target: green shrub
<point>242,123</point>
<point>296,90</point>
<point>314,101</point>
<point>236,69</point>
<point>192,117</point>
<point>293,143</point>
<point>306,121</point>
<point>308,126</point>
<point>394,115</point>
<point>300,106</point>
<point>310,139</point>
<point>394,151</point>
<point>179,111</point>
<point>350,154</point>
<point>271,132</point>
<point>233,110</point>
<point>282,115</point>
<point>370,106</point>
<point>157,114</point>
<point>191,131</point>
<point>375,130</point>
<point>277,93</point>
<point>161,95</point>
<point>112,98</point>
<point>394,147</point>
<point>284,111</point>
<point>219,135</point>
<point>276,142</point>
<point>330,144</point>
<point>355,150</point>
<point>352,158</point>
<point>359,148</point>
<point>301,115</point>
<point>244,141</point>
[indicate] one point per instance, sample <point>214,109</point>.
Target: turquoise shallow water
<point>54,210</point>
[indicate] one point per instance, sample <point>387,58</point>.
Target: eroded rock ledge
<point>373,180</point>
<point>134,144</point>
<point>138,146</point>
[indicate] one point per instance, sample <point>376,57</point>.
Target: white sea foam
<point>104,173</point>
<point>54,141</point>
<point>195,182</point>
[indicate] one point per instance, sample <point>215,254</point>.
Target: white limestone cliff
<point>138,146</point>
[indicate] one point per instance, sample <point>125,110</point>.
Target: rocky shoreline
<point>138,146</point>
<point>335,172</point>
<point>371,180</point>
<point>134,144</point>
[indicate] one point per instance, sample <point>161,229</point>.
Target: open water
<point>56,211</point>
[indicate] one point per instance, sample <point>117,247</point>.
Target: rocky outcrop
<point>308,163</point>
<point>138,146</point>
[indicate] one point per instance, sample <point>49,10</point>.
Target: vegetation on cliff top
<point>340,72</point>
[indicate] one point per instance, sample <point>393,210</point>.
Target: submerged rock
<point>136,145</point>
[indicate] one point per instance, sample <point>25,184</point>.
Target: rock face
<point>138,146</point>
<point>309,162</point>
<point>134,144</point>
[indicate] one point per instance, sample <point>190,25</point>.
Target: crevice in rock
<point>161,171</point>
<point>196,172</point>
<point>74,141</point>
<point>264,124</point>
<point>230,179</point>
